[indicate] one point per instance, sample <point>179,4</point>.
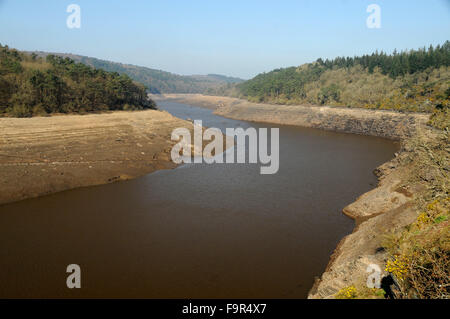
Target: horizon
<point>217,74</point>
<point>230,39</point>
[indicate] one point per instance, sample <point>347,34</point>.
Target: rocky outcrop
<point>358,121</point>
<point>378,212</point>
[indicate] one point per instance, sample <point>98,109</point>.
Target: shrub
<point>21,111</point>
<point>39,110</point>
<point>421,254</point>
<point>346,293</point>
<point>398,267</point>
<point>440,118</point>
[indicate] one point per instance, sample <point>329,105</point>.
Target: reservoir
<point>197,231</point>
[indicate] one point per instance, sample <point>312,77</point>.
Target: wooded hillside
<point>31,85</point>
<point>416,80</point>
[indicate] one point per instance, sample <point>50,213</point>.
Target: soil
<point>43,155</point>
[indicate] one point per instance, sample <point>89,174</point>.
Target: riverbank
<point>404,182</point>
<point>43,155</point>
<point>388,124</point>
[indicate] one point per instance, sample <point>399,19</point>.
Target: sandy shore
<point>43,155</point>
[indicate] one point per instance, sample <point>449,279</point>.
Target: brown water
<point>199,231</point>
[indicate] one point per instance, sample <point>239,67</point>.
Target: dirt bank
<point>381,211</point>
<point>386,124</point>
<point>43,155</point>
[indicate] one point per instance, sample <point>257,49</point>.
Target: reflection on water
<point>199,231</point>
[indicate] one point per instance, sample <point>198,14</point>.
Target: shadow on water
<point>219,230</point>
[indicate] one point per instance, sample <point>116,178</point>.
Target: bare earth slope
<point>381,123</point>
<point>43,155</point>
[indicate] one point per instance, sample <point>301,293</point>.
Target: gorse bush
<point>31,86</point>
<point>398,266</point>
<point>441,118</point>
<point>420,253</point>
<point>347,293</point>
<point>360,292</point>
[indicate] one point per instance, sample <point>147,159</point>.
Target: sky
<point>235,38</point>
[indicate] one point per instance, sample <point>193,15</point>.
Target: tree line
<point>416,80</point>
<point>396,64</point>
<point>31,85</point>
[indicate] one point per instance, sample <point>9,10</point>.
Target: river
<point>197,231</point>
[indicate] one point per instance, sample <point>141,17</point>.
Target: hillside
<point>416,80</point>
<point>156,81</point>
<point>30,85</point>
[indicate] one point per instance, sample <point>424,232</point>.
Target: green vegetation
<point>157,81</point>
<point>416,80</point>
<point>31,86</point>
<point>420,252</point>
<point>440,118</point>
<point>352,292</point>
<point>418,255</point>
<point>347,293</point>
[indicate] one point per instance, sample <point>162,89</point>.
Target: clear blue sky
<point>238,38</point>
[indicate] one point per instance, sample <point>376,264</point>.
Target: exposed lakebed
<point>198,231</point>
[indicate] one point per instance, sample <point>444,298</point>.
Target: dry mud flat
<point>383,210</point>
<point>43,155</point>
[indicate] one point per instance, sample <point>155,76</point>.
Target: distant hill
<point>156,81</point>
<point>218,78</point>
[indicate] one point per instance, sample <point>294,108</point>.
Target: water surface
<point>198,231</point>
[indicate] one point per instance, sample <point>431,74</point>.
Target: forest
<point>415,80</point>
<point>31,85</point>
